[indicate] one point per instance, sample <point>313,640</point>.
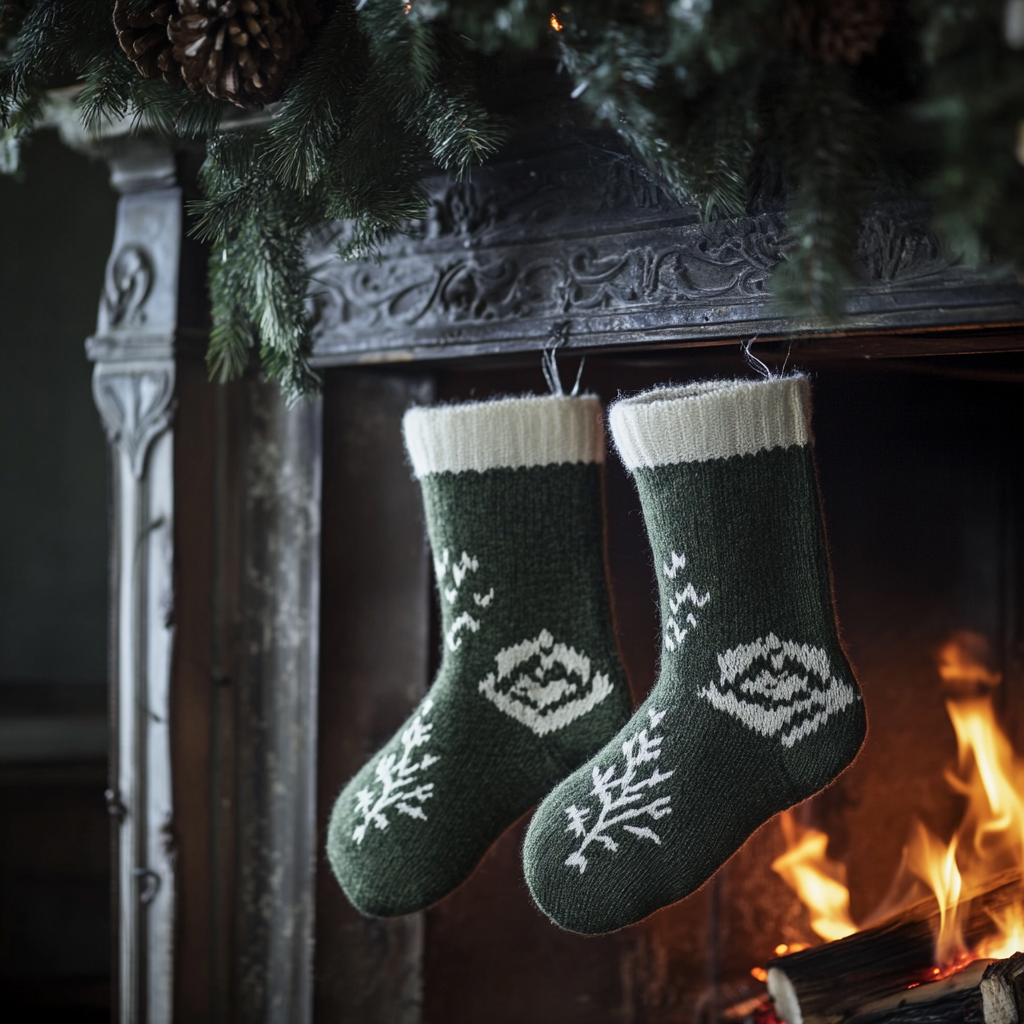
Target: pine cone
<point>240,50</point>
<point>836,31</point>
<point>143,36</point>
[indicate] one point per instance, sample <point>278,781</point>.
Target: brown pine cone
<point>240,50</point>
<point>143,36</point>
<point>837,31</point>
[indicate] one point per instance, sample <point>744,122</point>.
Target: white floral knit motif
<point>400,779</point>
<point>624,797</point>
<point>778,687</point>
<point>459,571</point>
<point>543,684</point>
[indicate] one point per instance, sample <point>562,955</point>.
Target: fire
<point>988,840</point>
<point>962,661</point>
<point>934,862</point>
<point>819,882</point>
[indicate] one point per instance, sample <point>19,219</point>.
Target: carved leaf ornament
<point>136,408</point>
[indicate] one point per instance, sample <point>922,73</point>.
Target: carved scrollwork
<point>115,805</point>
<point>731,261</point>
<point>128,287</point>
<point>546,195</point>
<point>149,883</point>
<point>136,407</point>
<point>589,233</point>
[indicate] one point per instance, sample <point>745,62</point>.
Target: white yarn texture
<point>508,432</point>
<point>711,420</point>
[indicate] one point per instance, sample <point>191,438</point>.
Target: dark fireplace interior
<point>922,481</point>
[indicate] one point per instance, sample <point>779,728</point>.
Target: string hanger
<point>746,347</point>
<point>559,338</point>
<point>752,361</point>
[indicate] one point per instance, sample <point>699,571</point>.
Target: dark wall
<point>56,227</point>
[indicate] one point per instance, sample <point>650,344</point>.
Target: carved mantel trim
<point>136,404</point>
<point>582,238</point>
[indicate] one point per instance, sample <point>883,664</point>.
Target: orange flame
<point>962,661</point>
<point>819,882</point>
<point>555,23</point>
<point>989,839</point>
<point>991,776</point>
<point>934,862</point>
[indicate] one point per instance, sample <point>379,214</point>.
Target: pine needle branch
<point>826,143</point>
<point>318,107</point>
<point>712,96</point>
<point>109,84</point>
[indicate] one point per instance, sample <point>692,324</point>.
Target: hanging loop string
<point>746,347</point>
<point>559,334</point>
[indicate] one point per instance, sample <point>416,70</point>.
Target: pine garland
<point>732,103</point>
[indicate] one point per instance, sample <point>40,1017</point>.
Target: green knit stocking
<point>530,683</point>
<point>756,707</point>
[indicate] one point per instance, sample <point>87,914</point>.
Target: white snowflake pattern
<point>676,630</point>
<point>400,779</point>
<point>623,798</point>
<point>463,621</point>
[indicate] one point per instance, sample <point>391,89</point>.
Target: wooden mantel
<point>216,512</point>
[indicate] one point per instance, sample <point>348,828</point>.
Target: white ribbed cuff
<point>509,432</point>
<point>712,420</point>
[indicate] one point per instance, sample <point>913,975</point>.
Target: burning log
<point>984,992</point>
<point>887,973</point>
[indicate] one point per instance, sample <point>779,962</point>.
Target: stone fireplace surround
<point>271,609</point>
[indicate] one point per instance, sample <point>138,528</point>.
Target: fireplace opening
<point>965,889</point>
<point>922,484</point>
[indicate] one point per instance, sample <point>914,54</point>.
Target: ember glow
<point>988,841</point>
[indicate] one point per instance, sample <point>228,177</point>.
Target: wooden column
<point>136,351</point>
<point>215,544</point>
<point>275,677</point>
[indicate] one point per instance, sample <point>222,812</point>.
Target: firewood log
<point>1002,991</point>
<point>834,983</point>
<point>984,992</point>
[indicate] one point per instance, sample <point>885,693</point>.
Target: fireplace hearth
<point>920,483</point>
<point>273,618</point>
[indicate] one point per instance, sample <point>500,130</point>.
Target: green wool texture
<point>530,682</point>
<point>756,707</point>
